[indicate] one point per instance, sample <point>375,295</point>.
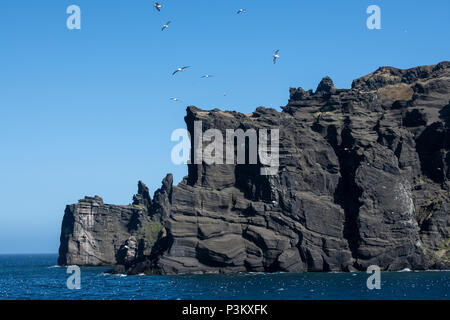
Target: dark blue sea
<point>37,277</point>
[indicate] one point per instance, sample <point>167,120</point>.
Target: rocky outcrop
<point>363,178</point>
<point>98,234</point>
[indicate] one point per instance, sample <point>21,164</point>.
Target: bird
<point>276,56</point>
<point>157,6</point>
<point>175,99</point>
<point>241,11</point>
<point>165,26</point>
<point>180,70</point>
<point>207,76</point>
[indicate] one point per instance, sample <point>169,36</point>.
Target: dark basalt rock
<point>363,179</point>
<point>326,86</point>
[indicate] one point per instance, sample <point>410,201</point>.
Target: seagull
<point>157,6</point>
<point>241,11</point>
<point>207,76</point>
<point>175,99</point>
<point>180,70</point>
<point>165,26</point>
<point>276,56</point>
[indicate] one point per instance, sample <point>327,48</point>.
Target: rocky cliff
<point>363,179</point>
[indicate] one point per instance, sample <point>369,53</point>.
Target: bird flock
<point>159,6</point>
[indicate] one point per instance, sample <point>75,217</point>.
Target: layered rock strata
<point>363,179</point>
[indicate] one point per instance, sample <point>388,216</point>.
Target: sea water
<point>38,277</point>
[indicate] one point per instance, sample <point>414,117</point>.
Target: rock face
<point>99,234</point>
<point>363,179</point>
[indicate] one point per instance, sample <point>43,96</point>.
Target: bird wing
<point>168,22</point>
<point>186,67</point>
<point>174,72</point>
<point>276,52</point>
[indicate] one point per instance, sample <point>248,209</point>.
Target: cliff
<point>362,179</point>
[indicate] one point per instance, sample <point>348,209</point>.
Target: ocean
<point>33,276</point>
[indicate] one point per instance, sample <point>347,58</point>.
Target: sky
<point>88,112</point>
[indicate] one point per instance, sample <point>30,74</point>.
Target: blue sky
<point>85,112</point>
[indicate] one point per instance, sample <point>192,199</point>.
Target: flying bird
<point>180,70</point>
<point>241,11</point>
<point>157,6</point>
<point>276,56</point>
<point>207,76</point>
<point>175,99</point>
<point>165,26</point>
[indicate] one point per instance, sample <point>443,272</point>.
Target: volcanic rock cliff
<point>363,179</point>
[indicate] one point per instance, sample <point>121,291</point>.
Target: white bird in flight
<point>157,6</point>
<point>175,99</point>
<point>165,26</point>
<point>180,70</point>
<point>207,76</point>
<point>241,11</point>
<point>276,56</point>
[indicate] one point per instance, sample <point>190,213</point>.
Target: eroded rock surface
<point>363,178</point>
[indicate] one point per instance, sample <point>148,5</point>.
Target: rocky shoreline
<point>363,179</point>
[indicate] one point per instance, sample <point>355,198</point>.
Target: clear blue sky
<point>88,112</point>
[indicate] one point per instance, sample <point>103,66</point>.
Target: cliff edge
<point>363,178</point>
